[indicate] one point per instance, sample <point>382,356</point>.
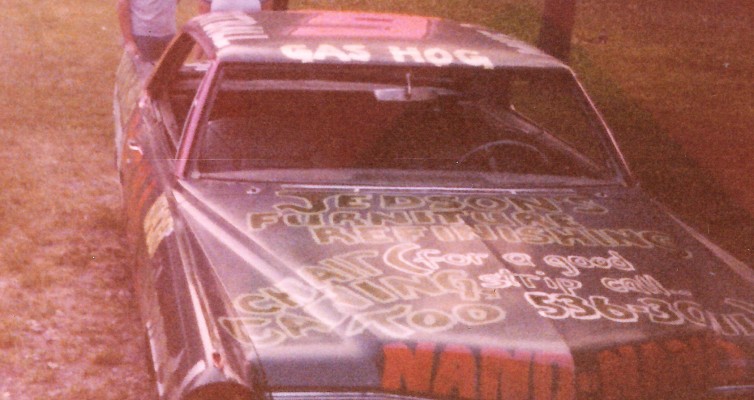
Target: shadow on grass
<point>664,170</point>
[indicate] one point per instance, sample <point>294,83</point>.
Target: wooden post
<point>280,5</point>
<point>557,27</point>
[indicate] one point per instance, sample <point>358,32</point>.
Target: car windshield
<point>402,126</point>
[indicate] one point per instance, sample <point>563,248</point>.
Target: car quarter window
<point>175,84</point>
<point>499,124</point>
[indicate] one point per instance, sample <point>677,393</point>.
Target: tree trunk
<point>279,5</point>
<point>557,27</point>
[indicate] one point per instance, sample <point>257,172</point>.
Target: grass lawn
<point>674,80</point>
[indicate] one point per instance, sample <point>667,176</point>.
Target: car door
<point>147,171</point>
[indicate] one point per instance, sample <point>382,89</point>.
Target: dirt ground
<point>68,322</point>
<point>69,327</point>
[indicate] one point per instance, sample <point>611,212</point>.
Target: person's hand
<point>131,49</point>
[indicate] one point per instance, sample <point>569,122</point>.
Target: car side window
<point>176,81</point>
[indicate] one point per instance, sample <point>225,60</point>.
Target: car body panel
<point>341,38</point>
<point>296,288</point>
<point>450,273</point>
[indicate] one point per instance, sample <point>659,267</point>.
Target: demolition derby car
<point>364,206</point>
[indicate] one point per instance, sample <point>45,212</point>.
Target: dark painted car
<point>356,206</point>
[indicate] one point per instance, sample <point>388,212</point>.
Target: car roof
<point>359,38</point>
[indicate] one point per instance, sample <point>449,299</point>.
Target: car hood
<point>472,293</point>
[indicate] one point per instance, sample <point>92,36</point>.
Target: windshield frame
<point>619,174</point>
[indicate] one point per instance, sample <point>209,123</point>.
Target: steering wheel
<point>514,155</point>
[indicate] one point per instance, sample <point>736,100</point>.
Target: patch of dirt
<point>69,327</point>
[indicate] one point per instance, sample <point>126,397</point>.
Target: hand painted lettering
<point>572,265</point>
<point>413,259</point>
<point>676,368</point>
<point>158,224</point>
<point>359,53</point>
<point>458,371</point>
<point>225,29</point>
<point>658,311</point>
<point>439,57</point>
<point>644,284</point>
<point>383,219</point>
<point>359,297</point>
<point>323,52</point>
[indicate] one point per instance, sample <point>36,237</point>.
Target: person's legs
<point>152,47</point>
